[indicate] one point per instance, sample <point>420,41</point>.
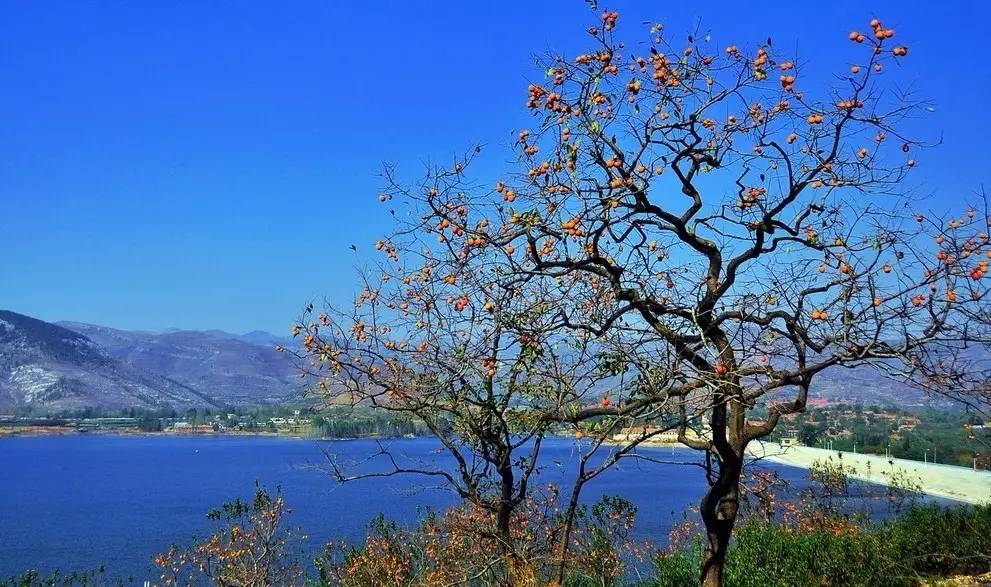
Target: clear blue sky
<point>207,164</point>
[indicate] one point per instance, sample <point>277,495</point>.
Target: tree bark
<point>504,510</point>
<point>504,513</point>
<point>719,510</point>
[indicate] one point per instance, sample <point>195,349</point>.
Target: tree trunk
<point>504,511</point>
<point>569,520</point>
<point>719,509</point>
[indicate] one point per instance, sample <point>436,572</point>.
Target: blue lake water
<point>77,502</point>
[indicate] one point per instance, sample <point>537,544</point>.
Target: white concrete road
<point>958,483</point>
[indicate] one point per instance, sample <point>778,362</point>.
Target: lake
<point>76,502</point>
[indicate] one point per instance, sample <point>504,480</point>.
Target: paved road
<point>958,483</point>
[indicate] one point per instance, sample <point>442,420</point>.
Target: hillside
<point>66,366</point>
<point>227,367</point>
<point>69,365</point>
<point>44,365</point>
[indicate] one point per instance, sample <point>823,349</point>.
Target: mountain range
<point>70,365</point>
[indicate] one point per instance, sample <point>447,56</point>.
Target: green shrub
<point>33,578</point>
<point>676,569</point>
<point>764,555</point>
<point>930,540</point>
<point>935,540</point>
<point>771,556</point>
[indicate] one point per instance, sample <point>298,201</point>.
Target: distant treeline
<point>335,422</point>
<point>357,422</point>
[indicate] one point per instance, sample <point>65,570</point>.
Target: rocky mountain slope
<point>72,365</point>
<point>46,365</point>
<point>227,367</point>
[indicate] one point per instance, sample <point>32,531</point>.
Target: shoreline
<point>10,431</point>
<point>36,431</point>
<point>946,481</point>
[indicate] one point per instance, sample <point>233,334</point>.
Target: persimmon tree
<point>701,229</point>
<point>710,206</point>
<point>445,335</point>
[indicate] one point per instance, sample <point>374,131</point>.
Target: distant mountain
<point>231,369</point>
<point>258,337</point>
<point>48,366</point>
<point>867,385</point>
<point>871,385</point>
<point>266,338</point>
<point>71,365</point>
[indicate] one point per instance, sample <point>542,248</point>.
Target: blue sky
<point>206,164</point>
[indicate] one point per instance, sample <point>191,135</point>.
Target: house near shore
<point>791,440</point>
<point>652,434</point>
<point>187,427</point>
<point>631,433</point>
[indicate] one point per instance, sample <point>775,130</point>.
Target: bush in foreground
<point>815,546</point>
<point>926,542</point>
<point>254,548</point>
